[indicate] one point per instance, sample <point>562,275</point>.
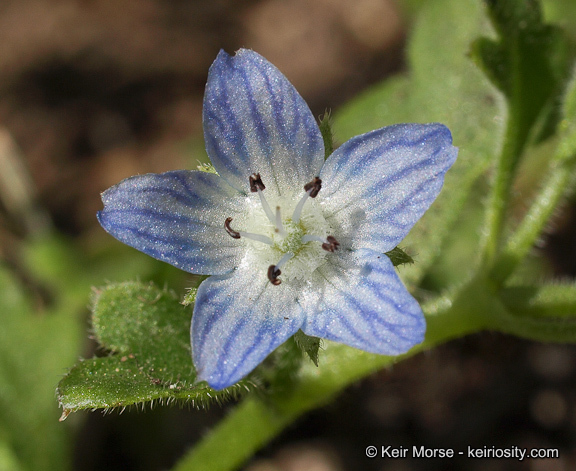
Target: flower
<point>292,241</point>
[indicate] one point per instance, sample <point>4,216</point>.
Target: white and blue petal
<point>177,217</point>
<point>377,185</point>
<point>256,122</point>
<point>238,320</point>
<point>359,300</point>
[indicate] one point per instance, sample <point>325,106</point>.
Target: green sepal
<point>190,296</point>
<point>327,133</point>
<point>309,345</point>
<point>206,167</point>
<point>399,257</point>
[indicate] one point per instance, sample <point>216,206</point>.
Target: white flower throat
<point>289,246</point>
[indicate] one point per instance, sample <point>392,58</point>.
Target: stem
<point>555,187</point>
<point>532,225</point>
<point>514,142</point>
<point>256,421</point>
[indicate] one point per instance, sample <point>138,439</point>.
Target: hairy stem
<point>513,146</point>
<point>530,229</point>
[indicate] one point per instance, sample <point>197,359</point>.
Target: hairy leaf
<point>146,331</point>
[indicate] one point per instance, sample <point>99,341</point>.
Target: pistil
<point>279,225</point>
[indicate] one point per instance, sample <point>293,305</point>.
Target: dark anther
<point>256,183</point>
<point>331,244</point>
<point>273,274</point>
<point>234,234</point>
<point>315,185</point>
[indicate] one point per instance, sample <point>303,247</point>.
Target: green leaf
<point>542,329</point>
<point>543,313</point>
<point>444,86</point>
<point>141,320</point>
<point>557,300</point>
<point>528,62</point>
<point>107,383</point>
<point>146,330</point>
<point>121,381</point>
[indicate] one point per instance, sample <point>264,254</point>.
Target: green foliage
<point>39,337</point>
<point>146,330</point>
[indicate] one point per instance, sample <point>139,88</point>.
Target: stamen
<point>309,238</point>
<point>234,234</point>
<point>331,244</point>
<point>287,256</point>
<point>312,188</point>
<point>273,274</point>
<point>256,183</point>
<point>315,185</point>
<point>258,238</point>
<point>279,226</point>
<point>298,209</point>
<point>266,207</point>
<point>248,235</point>
<point>274,270</point>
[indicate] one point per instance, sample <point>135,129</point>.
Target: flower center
<point>290,239</point>
<point>289,246</point>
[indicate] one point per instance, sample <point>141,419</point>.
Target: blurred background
<point>94,91</point>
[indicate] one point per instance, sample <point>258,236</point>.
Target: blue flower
<point>292,241</point>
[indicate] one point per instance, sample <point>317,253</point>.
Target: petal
<point>360,301</point>
<point>377,185</point>
<point>177,217</point>
<point>256,122</point>
<point>238,320</point>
